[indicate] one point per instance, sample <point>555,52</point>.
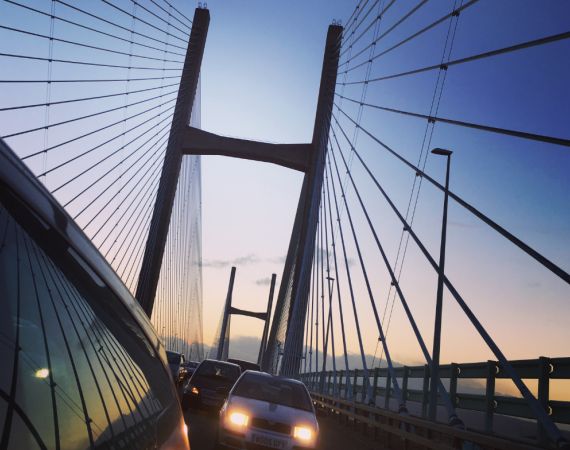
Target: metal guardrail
<point>542,370</point>
<point>398,431</point>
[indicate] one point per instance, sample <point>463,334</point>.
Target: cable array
<point>372,280</point>
<point>88,96</point>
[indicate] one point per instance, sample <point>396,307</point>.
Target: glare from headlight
<point>42,373</point>
<point>195,390</point>
<point>303,433</point>
<point>239,419</point>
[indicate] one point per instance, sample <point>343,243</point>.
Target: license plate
<point>268,441</point>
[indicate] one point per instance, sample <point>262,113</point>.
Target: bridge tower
<point>289,317</point>
<point>162,212</point>
<point>220,349</point>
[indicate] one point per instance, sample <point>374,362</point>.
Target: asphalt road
<point>202,431</point>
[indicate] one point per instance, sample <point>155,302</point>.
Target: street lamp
<point>439,299</point>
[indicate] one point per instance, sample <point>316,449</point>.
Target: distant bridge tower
<point>289,317</point>
<point>221,347</point>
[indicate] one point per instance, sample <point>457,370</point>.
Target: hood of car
<point>273,412</point>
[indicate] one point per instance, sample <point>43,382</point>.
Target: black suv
<point>210,384</point>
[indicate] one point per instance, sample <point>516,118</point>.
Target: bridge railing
<point>397,431</point>
<point>414,382</point>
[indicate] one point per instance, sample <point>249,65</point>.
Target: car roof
<point>235,360</point>
<point>217,361</point>
<point>269,376</point>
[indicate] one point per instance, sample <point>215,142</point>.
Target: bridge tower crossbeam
<point>289,316</point>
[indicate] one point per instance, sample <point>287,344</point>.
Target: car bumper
<point>255,439</point>
<point>202,402</point>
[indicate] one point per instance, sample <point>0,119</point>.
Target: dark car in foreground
<point>210,384</point>
<point>82,365</point>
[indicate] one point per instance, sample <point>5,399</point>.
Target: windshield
<point>218,370</point>
<point>274,390</point>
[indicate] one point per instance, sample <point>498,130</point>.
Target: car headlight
<point>194,390</point>
<point>303,433</point>
<point>238,419</point>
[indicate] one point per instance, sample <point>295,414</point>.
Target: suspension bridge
<point>102,101</point>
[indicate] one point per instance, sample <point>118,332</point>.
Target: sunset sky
<point>260,80</point>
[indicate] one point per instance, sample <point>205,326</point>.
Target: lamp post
<point>439,300</point>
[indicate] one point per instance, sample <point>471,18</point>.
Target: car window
<point>273,390</point>
<point>219,370</point>
<point>77,372</point>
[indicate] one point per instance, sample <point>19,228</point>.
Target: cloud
<point>239,261</point>
<point>263,281</point>
<point>247,259</point>
<point>215,263</point>
<point>252,258</point>
<point>277,259</point>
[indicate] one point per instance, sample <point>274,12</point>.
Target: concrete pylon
<point>162,212</point>
<point>289,315</point>
<point>302,245</point>
<point>224,339</point>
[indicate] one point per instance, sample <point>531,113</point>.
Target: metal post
<point>222,341</point>
<point>263,344</point>
<point>453,383</point>
<point>439,301</point>
<point>160,222</point>
<point>490,395</point>
<point>355,383</point>
<point>543,394</point>
<point>375,385</point>
<point>425,388</point>
<point>388,389</point>
<point>405,383</point>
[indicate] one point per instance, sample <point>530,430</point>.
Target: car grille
<point>265,424</point>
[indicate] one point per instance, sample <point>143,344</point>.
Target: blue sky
<point>260,79</point>
<point>263,85</point>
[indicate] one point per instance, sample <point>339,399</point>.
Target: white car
<point>270,412</point>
